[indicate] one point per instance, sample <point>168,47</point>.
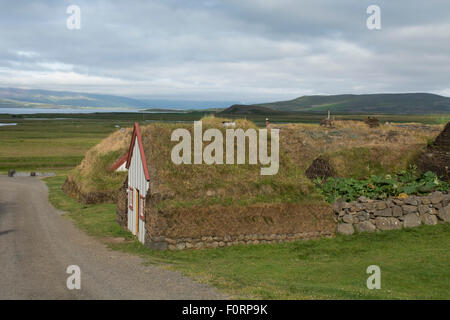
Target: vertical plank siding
<point>136,181</point>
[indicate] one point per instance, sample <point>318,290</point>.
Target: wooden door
<point>137,212</point>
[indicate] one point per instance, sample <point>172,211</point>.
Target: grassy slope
<point>412,103</point>
<point>413,262</point>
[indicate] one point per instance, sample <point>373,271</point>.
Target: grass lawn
<point>49,145</point>
<point>49,142</point>
<point>414,262</point>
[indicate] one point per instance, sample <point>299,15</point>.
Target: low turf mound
<point>92,181</point>
<point>202,184</point>
<point>437,156</point>
<point>352,148</point>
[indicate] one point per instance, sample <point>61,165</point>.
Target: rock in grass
<point>345,228</point>
<point>365,226</point>
<point>411,220</point>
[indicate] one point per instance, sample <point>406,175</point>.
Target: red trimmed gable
<point>119,162</point>
<point>137,134</point>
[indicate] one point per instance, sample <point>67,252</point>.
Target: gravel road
<point>37,245</point>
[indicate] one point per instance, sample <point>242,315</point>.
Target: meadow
<point>414,262</point>
<point>55,142</point>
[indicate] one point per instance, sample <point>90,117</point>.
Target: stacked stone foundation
<point>366,215</point>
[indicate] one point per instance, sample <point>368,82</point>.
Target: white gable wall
<point>122,167</point>
<point>137,180</point>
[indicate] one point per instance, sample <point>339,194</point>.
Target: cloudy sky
<point>243,50</point>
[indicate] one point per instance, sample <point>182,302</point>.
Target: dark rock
<point>320,168</point>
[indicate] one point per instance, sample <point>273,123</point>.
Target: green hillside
<point>405,103</point>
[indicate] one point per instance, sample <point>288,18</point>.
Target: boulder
<point>365,226</point>
<point>345,228</point>
<point>411,201</point>
<point>411,220</point>
<point>397,211</point>
<point>436,197</point>
<point>444,214</point>
<point>424,209</point>
<point>384,213</point>
<point>347,218</point>
<point>380,205</point>
<point>428,219</point>
<point>409,209</point>
<point>383,223</point>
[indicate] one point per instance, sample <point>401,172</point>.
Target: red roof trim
<point>137,133</point>
<point>119,162</point>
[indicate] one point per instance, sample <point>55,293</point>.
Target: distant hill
<point>20,98</point>
<point>14,97</point>
<point>403,103</point>
<point>239,109</point>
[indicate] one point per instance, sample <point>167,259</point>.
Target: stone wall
<point>226,241</point>
<point>220,226</point>
<point>366,215</point>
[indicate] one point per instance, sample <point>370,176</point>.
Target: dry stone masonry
<point>366,215</point>
<point>226,241</point>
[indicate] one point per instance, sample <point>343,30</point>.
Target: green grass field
<point>55,142</point>
<point>414,262</point>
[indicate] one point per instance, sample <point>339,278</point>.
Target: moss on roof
<point>389,148</point>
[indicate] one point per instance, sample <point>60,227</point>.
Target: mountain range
<point>35,98</point>
<point>397,103</point>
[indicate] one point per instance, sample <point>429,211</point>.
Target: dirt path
<point>37,245</point>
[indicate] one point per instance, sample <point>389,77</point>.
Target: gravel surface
<point>37,245</point>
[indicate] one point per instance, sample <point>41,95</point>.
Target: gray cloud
<point>247,50</point>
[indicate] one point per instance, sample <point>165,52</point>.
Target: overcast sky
<point>243,50</point>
